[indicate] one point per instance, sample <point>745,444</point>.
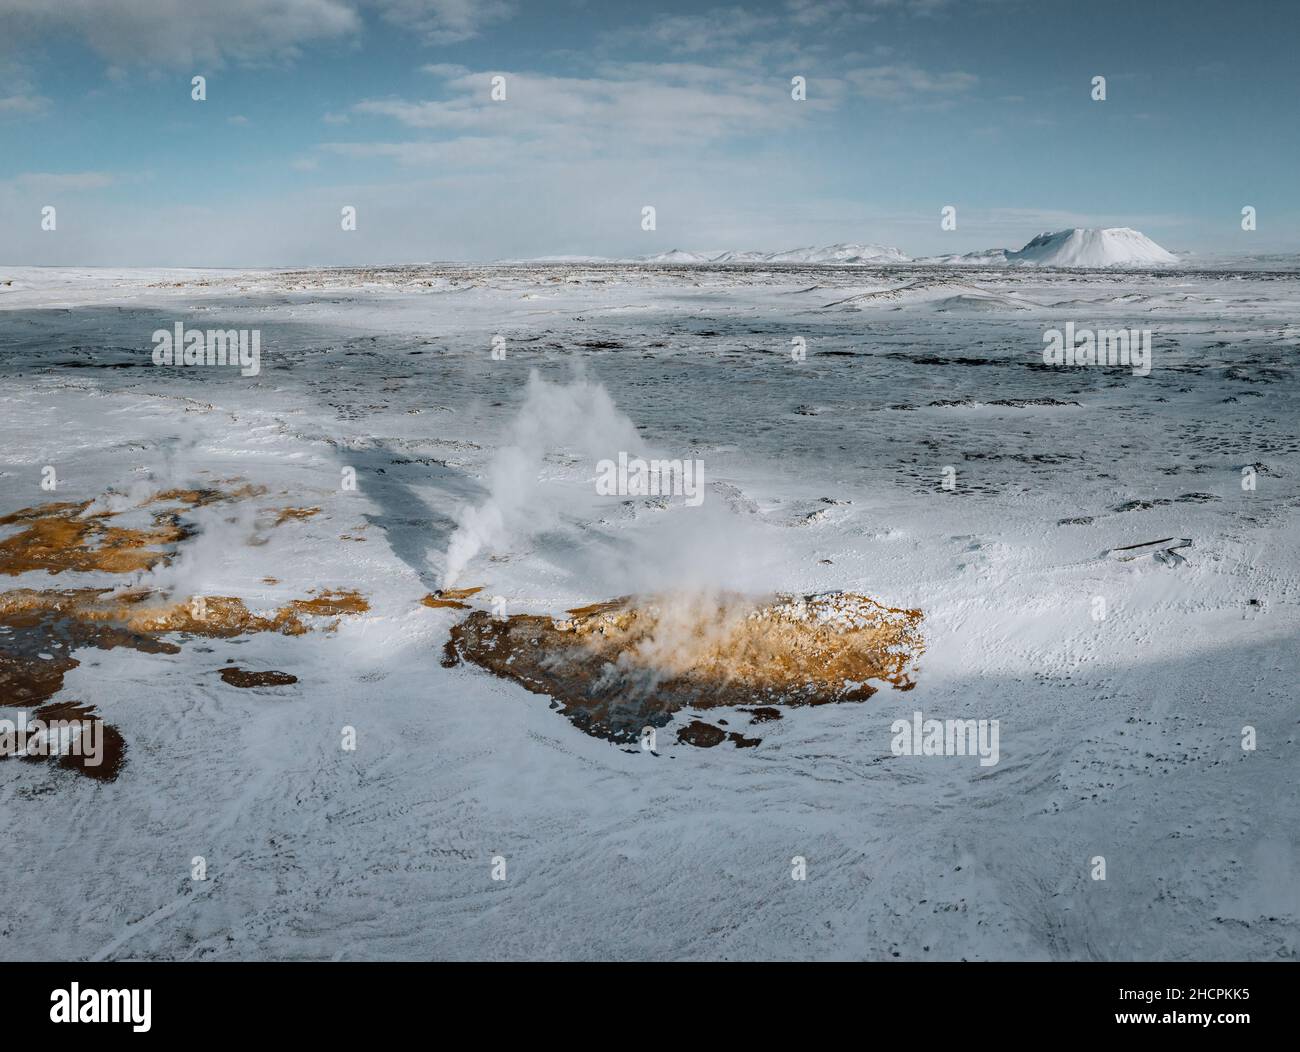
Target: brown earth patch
<point>702,735</point>
<point>103,767</point>
<point>56,623</point>
<point>67,535</point>
<point>197,498</point>
<point>242,677</point>
<point>620,666</point>
<point>327,604</point>
<point>58,537</point>
<point>295,514</point>
<point>450,598</point>
<point>41,629</point>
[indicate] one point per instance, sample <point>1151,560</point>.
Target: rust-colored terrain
<point>41,629</point>
<point>624,665</point>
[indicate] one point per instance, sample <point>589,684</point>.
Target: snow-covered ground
<point>1120,736</point>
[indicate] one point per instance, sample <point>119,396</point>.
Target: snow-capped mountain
<point>677,255</point>
<point>986,257</point>
<point>842,253</point>
<point>1110,247</point>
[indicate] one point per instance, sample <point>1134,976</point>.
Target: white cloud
<point>635,111</point>
<point>444,21</point>
<point>445,69</point>
<point>465,152</point>
<point>634,107</point>
<point>56,181</point>
<point>18,96</point>
<point>184,33</point>
<point>1036,220</point>
<point>23,105</point>
<point>711,31</point>
<point>817,13</point>
<point>904,83</point>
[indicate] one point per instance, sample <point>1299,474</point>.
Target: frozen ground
<point>1119,737</point>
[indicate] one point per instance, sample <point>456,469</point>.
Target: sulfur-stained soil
<point>41,629</point>
<point>623,665</point>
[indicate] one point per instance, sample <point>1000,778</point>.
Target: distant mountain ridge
<point>842,253</point>
<point>1077,247</point>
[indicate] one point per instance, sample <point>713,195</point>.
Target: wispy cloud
<point>445,21</point>
<point>632,106</point>
<point>906,83</point>
<point>18,95</point>
<point>183,34</point>
<point>57,181</point>
<point>464,152</point>
<point>23,105</point>
<point>711,31</point>
<point>839,13</point>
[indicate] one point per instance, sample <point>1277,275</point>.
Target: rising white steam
<point>577,419</point>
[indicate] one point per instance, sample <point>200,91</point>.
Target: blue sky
<point>384,105</point>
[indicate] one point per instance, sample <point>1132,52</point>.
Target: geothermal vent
<point>624,665</point>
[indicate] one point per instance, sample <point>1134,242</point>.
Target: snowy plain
<point>1120,737</point>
